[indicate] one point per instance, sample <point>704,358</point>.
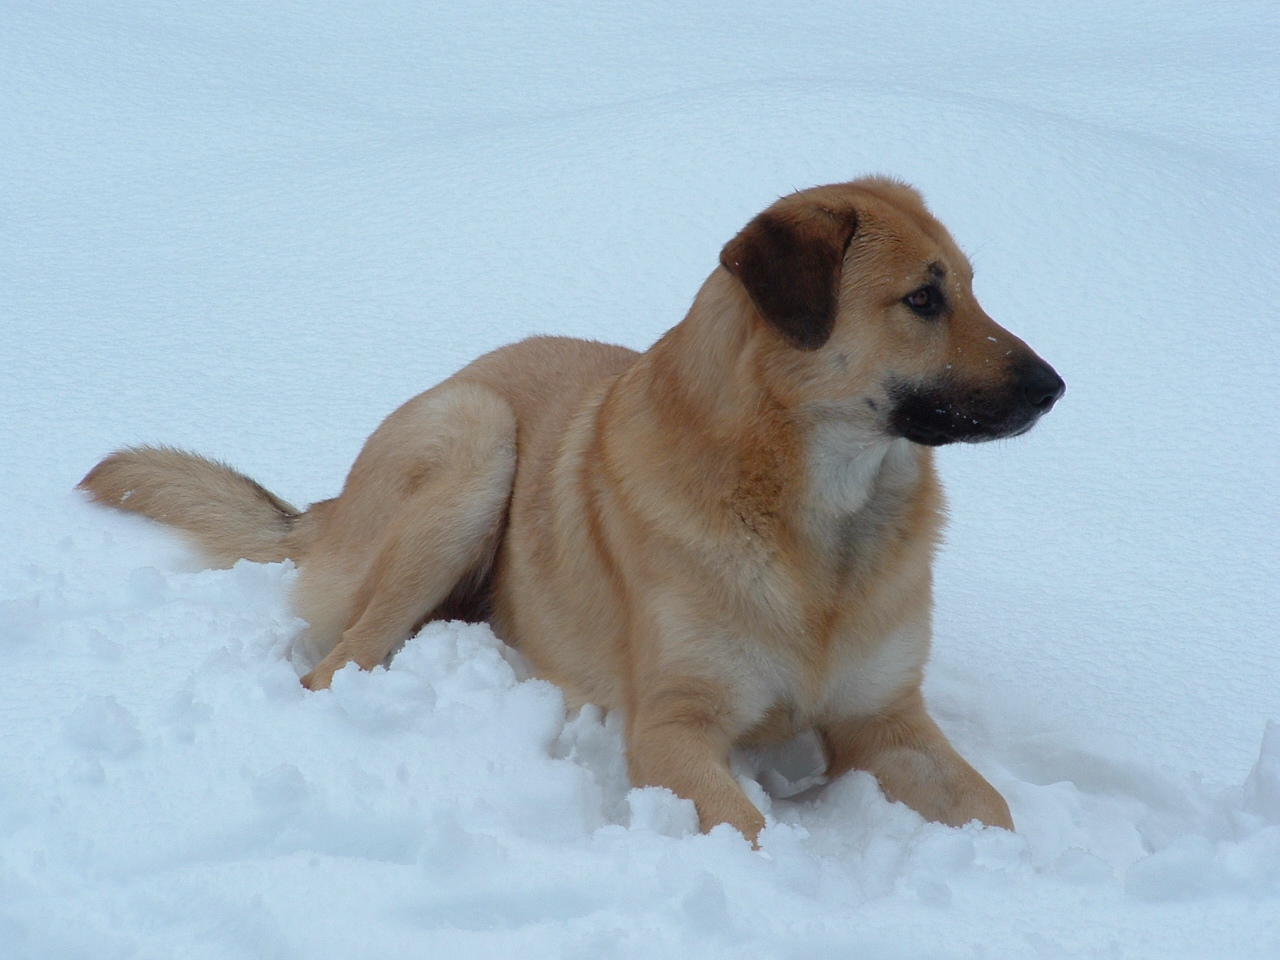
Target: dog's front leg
<point>676,739</point>
<point>915,764</point>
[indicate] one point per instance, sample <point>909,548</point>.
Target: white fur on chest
<point>861,677</point>
<point>856,484</point>
<point>848,467</point>
<point>843,466</point>
<point>865,678</point>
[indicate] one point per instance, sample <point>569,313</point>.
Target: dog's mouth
<point>947,411</point>
<point>972,431</point>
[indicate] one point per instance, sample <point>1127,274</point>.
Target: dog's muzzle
<point>948,410</point>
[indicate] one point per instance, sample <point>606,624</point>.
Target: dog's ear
<point>789,262</point>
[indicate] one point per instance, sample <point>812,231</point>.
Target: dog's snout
<point>1041,386</point>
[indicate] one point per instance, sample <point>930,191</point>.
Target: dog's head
<point>867,311</point>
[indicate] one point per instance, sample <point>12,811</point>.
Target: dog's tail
<point>224,513</point>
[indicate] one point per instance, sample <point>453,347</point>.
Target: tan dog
<point>727,537</point>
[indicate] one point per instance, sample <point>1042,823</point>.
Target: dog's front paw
<point>319,678</point>
<point>978,801</point>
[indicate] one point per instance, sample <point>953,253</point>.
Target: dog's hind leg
<point>423,509</point>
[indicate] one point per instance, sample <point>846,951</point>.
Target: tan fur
<point>720,537</point>
<point>226,515</point>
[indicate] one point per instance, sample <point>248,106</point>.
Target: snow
<point>254,229</point>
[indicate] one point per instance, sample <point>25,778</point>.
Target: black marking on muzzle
<point>947,410</point>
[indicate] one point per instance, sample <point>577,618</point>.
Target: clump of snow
<point>189,797</point>
<point>254,229</point>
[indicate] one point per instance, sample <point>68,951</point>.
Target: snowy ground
<point>253,229</point>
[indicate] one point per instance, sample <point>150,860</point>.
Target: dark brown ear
<point>789,262</point>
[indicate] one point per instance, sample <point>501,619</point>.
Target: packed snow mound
<point>189,798</point>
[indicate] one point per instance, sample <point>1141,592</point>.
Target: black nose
<point>1041,386</point>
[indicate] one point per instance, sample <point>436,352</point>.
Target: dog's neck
<point>847,467</point>
<point>823,463</point>
<point>706,359</point>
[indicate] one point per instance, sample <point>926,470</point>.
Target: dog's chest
<point>854,677</point>
<point>842,629</point>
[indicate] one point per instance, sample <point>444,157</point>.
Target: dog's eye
<point>926,302</point>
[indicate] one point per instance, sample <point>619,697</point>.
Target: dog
<point>728,537</point>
